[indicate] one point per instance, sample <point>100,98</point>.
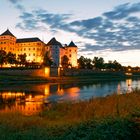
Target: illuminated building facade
<point>58,50</point>
<point>35,49</point>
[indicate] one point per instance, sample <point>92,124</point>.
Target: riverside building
<point>35,49</point>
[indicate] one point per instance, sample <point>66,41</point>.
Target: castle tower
<point>8,42</point>
<point>72,54</point>
<point>54,47</point>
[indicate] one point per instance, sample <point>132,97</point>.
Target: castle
<point>35,49</point>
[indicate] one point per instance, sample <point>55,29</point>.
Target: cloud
<point>17,4</point>
<point>123,11</point>
<point>117,30</point>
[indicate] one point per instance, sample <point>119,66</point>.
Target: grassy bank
<point>115,117</point>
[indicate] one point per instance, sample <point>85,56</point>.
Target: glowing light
<point>47,72</point>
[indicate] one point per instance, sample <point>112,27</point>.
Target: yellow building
<point>32,47</point>
<point>35,49</point>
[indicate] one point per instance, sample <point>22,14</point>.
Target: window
<point>33,54</point>
<point>24,49</point>
<point>29,49</point>
<point>33,48</point>
<point>29,54</point>
<point>70,55</point>
<point>70,50</point>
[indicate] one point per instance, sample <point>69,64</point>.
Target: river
<point>29,99</point>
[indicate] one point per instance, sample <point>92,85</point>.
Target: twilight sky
<point>103,28</point>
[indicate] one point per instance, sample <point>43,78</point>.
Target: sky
<point>102,28</point>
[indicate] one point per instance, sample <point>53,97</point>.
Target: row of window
<point>6,43</point>
<point>23,44</point>
<point>29,49</point>
<point>3,37</point>
<point>4,48</point>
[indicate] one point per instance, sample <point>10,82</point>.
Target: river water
<point>30,98</point>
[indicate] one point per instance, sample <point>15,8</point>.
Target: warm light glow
<point>47,72</point>
<point>47,90</point>
<point>73,92</point>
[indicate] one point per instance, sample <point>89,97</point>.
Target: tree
<point>81,62</point>
<point>47,59</point>
<point>22,59</point>
<point>2,57</point>
<point>11,58</point>
<point>65,61</point>
<point>98,62</point>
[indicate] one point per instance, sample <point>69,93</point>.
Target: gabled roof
<point>71,44</point>
<point>24,40</point>
<point>7,32</point>
<point>53,41</point>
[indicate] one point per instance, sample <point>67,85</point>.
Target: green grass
<point>115,117</point>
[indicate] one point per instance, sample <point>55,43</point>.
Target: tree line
<point>98,63</point>
<point>10,58</point>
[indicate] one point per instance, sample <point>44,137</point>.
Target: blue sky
<point>104,28</point>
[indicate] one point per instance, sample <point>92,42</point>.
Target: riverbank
<point>23,79</point>
<point>112,117</point>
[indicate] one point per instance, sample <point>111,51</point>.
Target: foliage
<point>98,62</point>
<point>2,57</point>
<point>94,119</point>
<point>22,59</point>
<point>47,59</point>
<point>11,58</point>
<point>85,63</point>
<point>65,61</point>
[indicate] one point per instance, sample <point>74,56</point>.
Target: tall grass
<point>114,117</point>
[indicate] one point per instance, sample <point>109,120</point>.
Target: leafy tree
<point>113,66</point>
<point>47,59</point>
<point>2,57</point>
<point>65,61</point>
<point>11,58</point>
<point>81,62</point>
<point>22,59</point>
<point>88,63</point>
<point>98,62</point>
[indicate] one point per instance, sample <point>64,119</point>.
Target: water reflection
<point>30,99</point>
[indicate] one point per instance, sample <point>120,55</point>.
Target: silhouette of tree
<point>65,61</point>
<point>2,57</point>
<point>98,62</point>
<point>81,62</point>
<point>22,59</point>
<point>11,58</point>
<point>47,59</point>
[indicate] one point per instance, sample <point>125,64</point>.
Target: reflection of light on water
<point>8,95</point>
<point>119,89</point>
<point>29,106</point>
<point>47,90</point>
<point>129,85</point>
<point>73,92</point>
<point>60,90</point>
<point>128,82</point>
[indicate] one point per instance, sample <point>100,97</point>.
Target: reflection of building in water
<point>32,100</point>
<point>129,85</point>
<point>128,82</point>
<point>27,105</point>
<point>119,89</point>
<point>73,92</point>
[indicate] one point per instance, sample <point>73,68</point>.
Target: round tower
<point>72,54</point>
